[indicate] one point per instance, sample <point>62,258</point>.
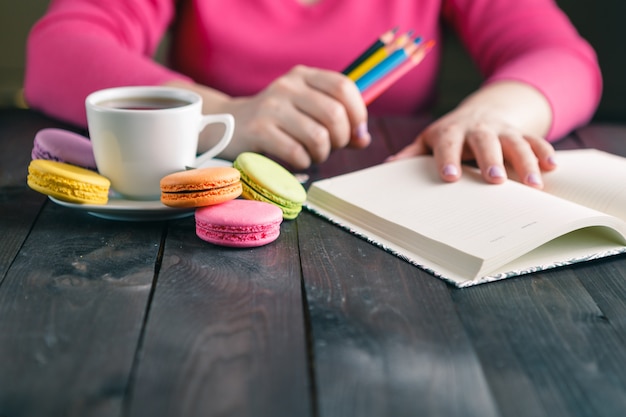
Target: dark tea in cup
<point>144,103</point>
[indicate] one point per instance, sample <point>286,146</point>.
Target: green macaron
<point>266,180</point>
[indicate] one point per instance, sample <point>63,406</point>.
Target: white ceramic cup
<point>141,134</point>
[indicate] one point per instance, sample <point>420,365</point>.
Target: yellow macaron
<point>68,182</point>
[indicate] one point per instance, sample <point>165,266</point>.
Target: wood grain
<point>105,318</point>
<point>225,333</point>
<point>606,283</point>
<point>71,313</point>
<point>17,132</point>
<point>387,340</point>
<point>19,206</point>
<point>546,347</point>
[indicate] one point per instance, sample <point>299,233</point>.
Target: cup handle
<point>229,121</point>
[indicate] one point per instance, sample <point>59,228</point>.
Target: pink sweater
<point>239,46</point>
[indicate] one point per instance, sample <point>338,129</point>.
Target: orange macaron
<point>200,187</point>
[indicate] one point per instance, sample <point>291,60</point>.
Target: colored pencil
<point>376,89</point>
<point>379,56</point>
<point>386,65</point>
<point>382,40</point>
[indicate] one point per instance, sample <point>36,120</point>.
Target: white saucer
<point>119,208</point>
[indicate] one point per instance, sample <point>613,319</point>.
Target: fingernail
<point>552,160</point>
<point>496,172</point>
<point>533,179</point>
<point>361,130</point>
<point>450,170</point>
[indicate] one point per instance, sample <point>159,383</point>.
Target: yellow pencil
<point>382,53</point>
<point>382,40</point>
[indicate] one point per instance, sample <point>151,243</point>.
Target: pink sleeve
<point>532,41</point>
<point>81,46</point>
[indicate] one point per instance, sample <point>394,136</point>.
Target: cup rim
<point>94,99</point>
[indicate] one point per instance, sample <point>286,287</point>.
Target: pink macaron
<point>63,146</point>
<point>239,223</point>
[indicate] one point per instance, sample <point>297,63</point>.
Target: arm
<point>82,46</point>
<point>531,57</point>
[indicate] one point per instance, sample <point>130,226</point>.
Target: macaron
<point>239,223</point>
<point>68,182</point>
<point>200,187</point>
<point>265,180</point>
<point>63,146</point>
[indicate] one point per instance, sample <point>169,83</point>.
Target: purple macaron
<point>63,146</point>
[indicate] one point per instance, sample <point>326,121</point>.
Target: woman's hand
<point>502,122</point>
<point>299,118</point>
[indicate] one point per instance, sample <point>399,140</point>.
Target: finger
<point>277,108</point>
<point>485,145</point>
<point>306,131</point>
<point>545,152</point>
<point>327,112</point>
<point>447,145</point>
<point>518,152</point>
<point>282,145</point>
<point>345,91</point>
<point>361,136</point>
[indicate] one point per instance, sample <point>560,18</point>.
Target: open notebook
<point>470,232</point>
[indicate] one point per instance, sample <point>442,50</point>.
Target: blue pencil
<point>383,40</point>
<point>386,65</point>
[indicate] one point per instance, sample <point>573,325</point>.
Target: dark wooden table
<point>107,318</point>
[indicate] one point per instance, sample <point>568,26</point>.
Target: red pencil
<point>380,86</point>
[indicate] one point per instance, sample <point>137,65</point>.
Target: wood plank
<point>387,340</point>
<point>17,132</point>
<point>545,346</point>
<point>608,137</point>
<point>19,207</point>
<point>71,312</point>
<point>606,282</point>
<point>225,334</point>
<point>401,131</point>
<point>571,141</point>
<point>18,204</point>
